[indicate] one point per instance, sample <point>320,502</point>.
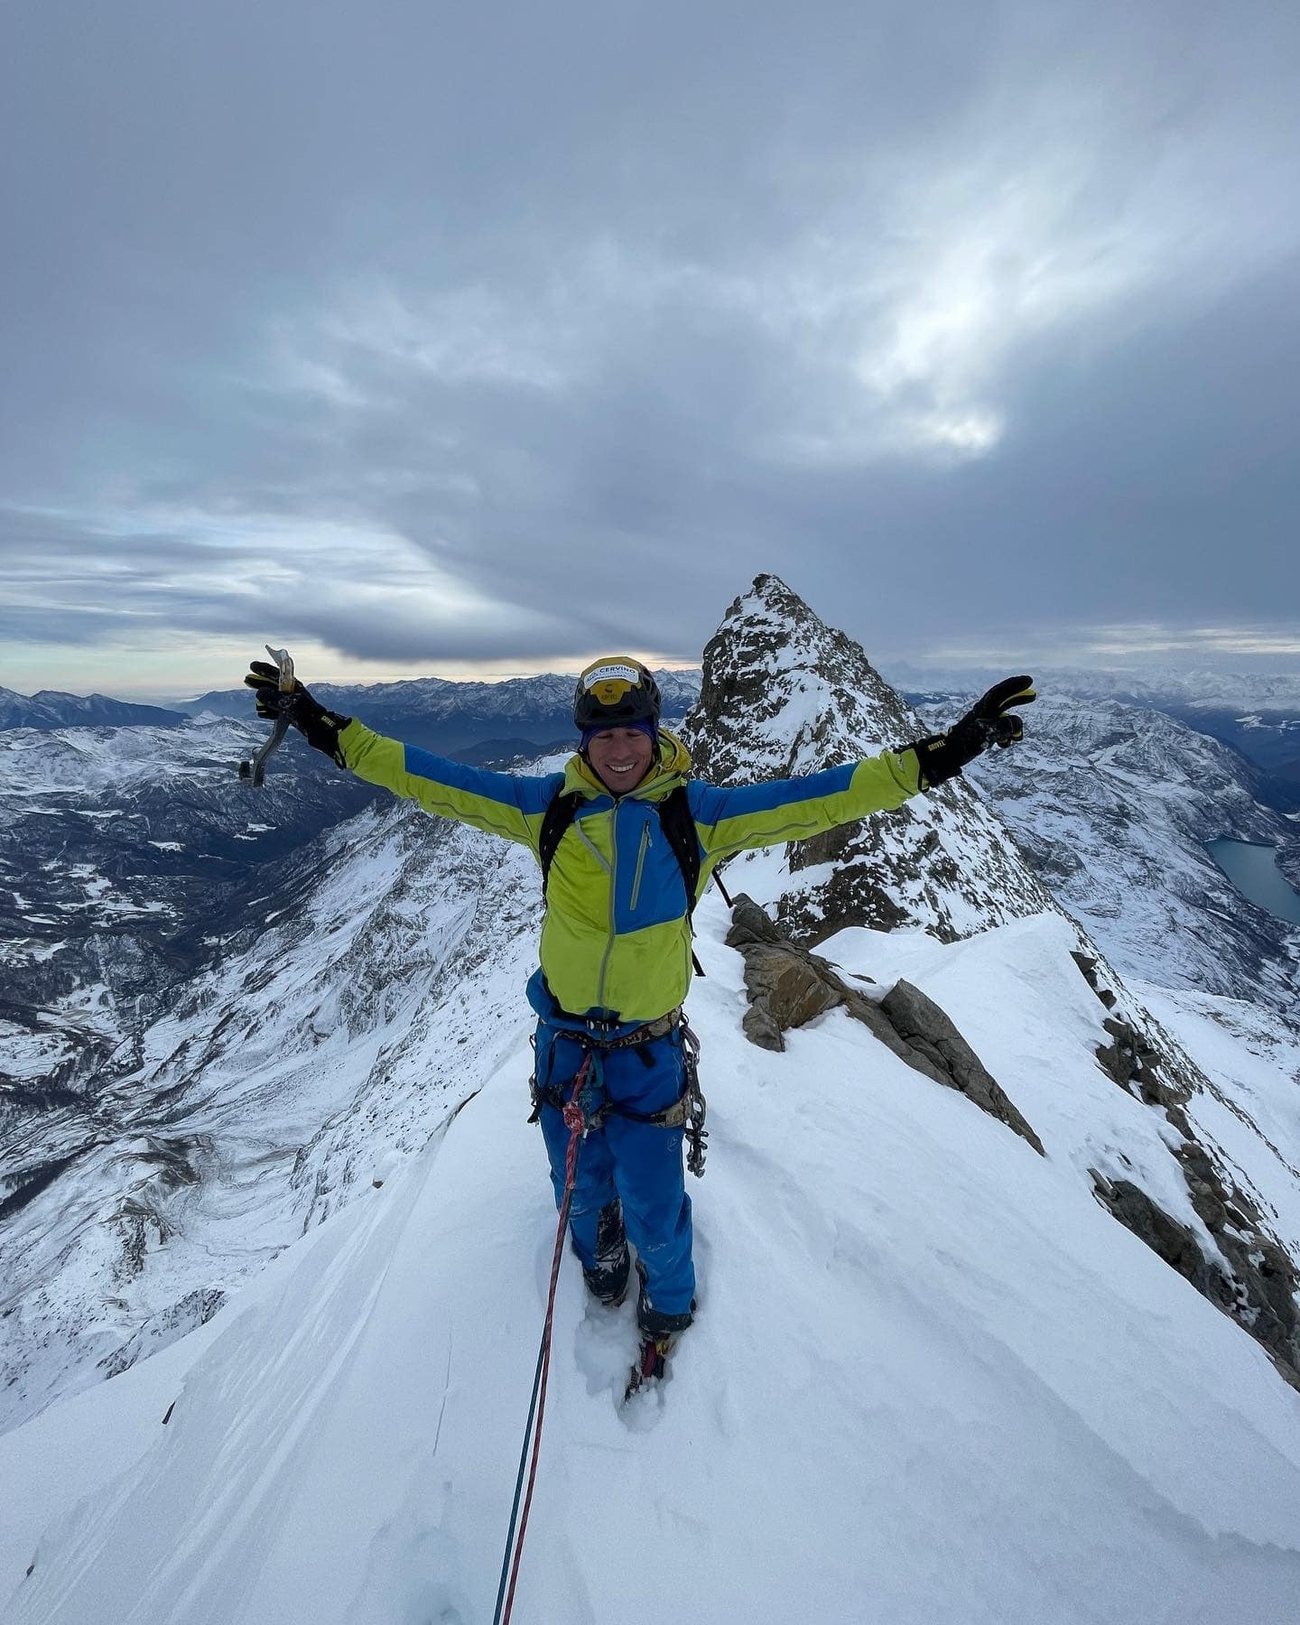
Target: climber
<point>615,951</point>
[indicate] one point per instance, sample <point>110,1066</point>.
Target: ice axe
<point>254,769</point>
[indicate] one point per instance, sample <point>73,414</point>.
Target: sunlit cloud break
<point>1117,645</point>
<point>1220,640</point>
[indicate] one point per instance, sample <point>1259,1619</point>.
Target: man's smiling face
<point>621,757</point>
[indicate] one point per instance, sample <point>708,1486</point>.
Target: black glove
<point>309,716</point>
<point>988,722</point>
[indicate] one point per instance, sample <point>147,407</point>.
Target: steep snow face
<point>801,696</point>
<point>931,1379</point>
<point>1112,805</point>
<point>784,694</point>
<point>339,1032</point>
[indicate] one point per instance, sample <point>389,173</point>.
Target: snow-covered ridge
<point>952,1385</point>
<point>799,696</point>
<point>783,693</point>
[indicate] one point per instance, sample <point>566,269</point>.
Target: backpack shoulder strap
<point>682,836</point>
<point>674,818</point>
<point>560,813</point>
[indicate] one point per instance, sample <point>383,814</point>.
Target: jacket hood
<point>666,774</point>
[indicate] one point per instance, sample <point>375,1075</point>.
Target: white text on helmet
<point>607,674</point>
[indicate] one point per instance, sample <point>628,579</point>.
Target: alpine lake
<point>1253,870</point>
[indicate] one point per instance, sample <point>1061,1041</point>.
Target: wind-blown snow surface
<point>931,1379</point>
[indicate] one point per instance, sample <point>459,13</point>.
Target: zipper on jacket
<point>640,865</point>
<point>591,846</point>
<point>613,894</point>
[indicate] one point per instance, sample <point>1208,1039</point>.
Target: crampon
<point>652,1363</point>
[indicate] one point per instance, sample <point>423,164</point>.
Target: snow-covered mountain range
<point>1257,714</point>
<point>951,1384</point>
<point>522,716</point>
<point>514,699</point>
<point>129,859</point>
<point>1151,685</point>
<point>1112,805</point>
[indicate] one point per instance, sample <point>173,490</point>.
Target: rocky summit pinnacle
<point>783,693</point>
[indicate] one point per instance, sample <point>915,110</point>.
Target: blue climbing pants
<point>641,1163</point>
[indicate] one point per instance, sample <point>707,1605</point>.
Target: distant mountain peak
<point>50,708</point>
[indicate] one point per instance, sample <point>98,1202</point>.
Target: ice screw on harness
<point>577,1119</point>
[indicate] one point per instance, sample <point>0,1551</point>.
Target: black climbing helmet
<point>615,692</point>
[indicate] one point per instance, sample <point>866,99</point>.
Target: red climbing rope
<point>575,1120</point>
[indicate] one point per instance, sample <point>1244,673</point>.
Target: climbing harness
<point>687,1112</point>
<point>577,1118</point>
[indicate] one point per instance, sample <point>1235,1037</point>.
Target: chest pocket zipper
<point>640,865</point>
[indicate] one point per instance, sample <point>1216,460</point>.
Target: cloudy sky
<point>481,338</point>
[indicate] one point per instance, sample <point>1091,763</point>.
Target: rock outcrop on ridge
<point>788,986</point>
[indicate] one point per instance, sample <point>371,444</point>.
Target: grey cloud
<point>600,309</point>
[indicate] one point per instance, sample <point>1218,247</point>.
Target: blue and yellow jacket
<point>616,937</point>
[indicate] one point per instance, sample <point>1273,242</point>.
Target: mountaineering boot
<point>608,1280</point>
<point>654,1322</point>
<point>659,1334</point>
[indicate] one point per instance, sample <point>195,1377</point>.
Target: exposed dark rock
<point>1089,969</point>
<point>193,1310</point>
<point>1266,1278</point>
<point>1254,1280</point>
<point>34,1180</point>
<point>1179,1119</point>
<point>1257,1290</point>
<point>785,985</point>
<point>1138,1066</point>
<point>921,1023</point>
<point>1169,1240</point>
<point>852,894</point>
<point>788,986</point>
